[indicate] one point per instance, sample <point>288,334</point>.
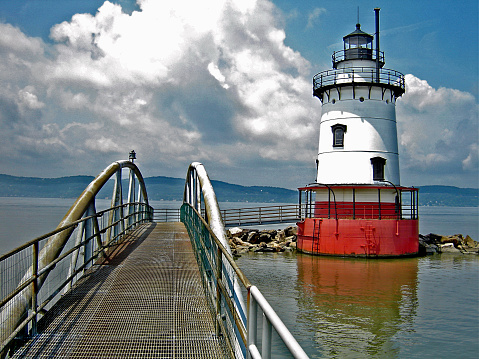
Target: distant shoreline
<point>171,189</point>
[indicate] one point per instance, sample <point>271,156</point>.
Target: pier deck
<point>145,300</point>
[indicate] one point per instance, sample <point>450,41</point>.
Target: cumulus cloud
<point>28,99</point>
<point>19,44</point>
<point>176,81</point>
<point>438,132</point>
<point>190,81</point>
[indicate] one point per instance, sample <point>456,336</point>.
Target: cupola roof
<point>358,33</point>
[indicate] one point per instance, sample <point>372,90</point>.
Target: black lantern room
<point>358,45</point>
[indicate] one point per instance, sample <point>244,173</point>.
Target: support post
<point>354,203</point>
<point>252,324</point>
<point>266,338</point>
<point>91,230</point>
<point>131,197</point>
<point>219,266</point>
<point>34,287</point>
<point>73,262</point>
<point>379,202</point>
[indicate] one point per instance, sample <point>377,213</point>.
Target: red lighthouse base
<point>358,237</point>
<point>359,221</point>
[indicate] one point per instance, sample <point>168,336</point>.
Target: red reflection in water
<point>357,305</point>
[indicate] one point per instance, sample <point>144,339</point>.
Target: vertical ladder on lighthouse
<point>316,235</point>
<point>371,247</point>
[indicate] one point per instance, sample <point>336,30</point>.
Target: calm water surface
<point>358,308</point>
<point>339,308</point>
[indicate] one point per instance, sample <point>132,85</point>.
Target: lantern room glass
<point>358,45</point>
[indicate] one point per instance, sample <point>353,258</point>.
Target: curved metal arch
<point>197,182</point>
<point>54,246</point>
<point>81,204</point>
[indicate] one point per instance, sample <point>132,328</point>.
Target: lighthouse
<point>357,205</point>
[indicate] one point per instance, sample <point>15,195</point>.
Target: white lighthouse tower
<point>357,133</point>
<point>358,161</point>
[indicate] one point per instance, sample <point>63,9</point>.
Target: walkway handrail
<point>216,265</point>
<point>23,298</point>
<point>221,276</point>
<point>270,320</point>
<point>166,215</point>
<point>197,183</point>
<point>249,216</point>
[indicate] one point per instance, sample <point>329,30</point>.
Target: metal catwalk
<point>145,301</point>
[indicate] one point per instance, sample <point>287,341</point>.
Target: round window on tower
<point>333,101</point>
<point>361,99</point>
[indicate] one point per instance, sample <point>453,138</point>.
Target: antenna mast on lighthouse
<point>376,10</point>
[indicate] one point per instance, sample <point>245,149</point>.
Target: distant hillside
<point>169,188</point>
<point>63,187</point>
<point>159,188</point>
<point>448,196</point>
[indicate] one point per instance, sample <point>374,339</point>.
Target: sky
<point>227,83</point>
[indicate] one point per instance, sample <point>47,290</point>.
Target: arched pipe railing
<point>20,303</point>
<point>222,277</point>
<point>398,203</point>
<point>198,183</point>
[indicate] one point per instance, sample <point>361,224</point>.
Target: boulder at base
<point>435,243</point>
<point>245,240</point>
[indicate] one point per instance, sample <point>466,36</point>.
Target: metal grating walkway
<point>146,301</point>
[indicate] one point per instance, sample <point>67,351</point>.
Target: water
<point>449,220</point>
<point>358,308</point>
<point>339,308</point>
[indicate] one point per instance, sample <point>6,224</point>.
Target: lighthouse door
<point>316,235</point>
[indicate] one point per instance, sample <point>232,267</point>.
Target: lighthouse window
<point>338,135</point>
<point>378,164</point>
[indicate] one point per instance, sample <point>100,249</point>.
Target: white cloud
<point>169,49</point>
<point>313,16</point>
<point>19,44</point>
<point>216,73</point>
<point>103,144</point>
<point>438,131</point>
<point>186,81</point>
<point>28,99</point>
<point>471,162</point>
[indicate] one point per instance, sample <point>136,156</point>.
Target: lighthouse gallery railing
<point>358,75</point>
<point>404,208</point>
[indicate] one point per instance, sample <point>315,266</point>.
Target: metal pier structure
<point>146,300</point>
<point>113,283</point>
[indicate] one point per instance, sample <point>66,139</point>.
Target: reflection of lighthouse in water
<point>358,305</point>
<point>357,205</point>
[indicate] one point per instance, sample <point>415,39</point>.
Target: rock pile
<point>436,243</point>
<point>268,240</point>
<point>284,240</point>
